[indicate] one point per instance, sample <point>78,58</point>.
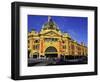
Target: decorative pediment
<point>51,33</point>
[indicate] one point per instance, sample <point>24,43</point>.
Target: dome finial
<point>49,18</point>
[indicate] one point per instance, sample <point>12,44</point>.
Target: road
<point>46,62</point>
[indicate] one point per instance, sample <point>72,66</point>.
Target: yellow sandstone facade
<point>50,41</point>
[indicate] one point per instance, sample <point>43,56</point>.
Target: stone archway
<point>35,55</point>
<point>51,52</point>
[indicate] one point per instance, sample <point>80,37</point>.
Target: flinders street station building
<point>52,42</point>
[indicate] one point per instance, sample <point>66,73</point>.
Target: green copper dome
<point>50,25</point>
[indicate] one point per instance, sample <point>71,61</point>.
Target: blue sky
<point>76,27</point>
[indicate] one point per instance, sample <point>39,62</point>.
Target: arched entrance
<point>51,52</point>
<point>35,55</point>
